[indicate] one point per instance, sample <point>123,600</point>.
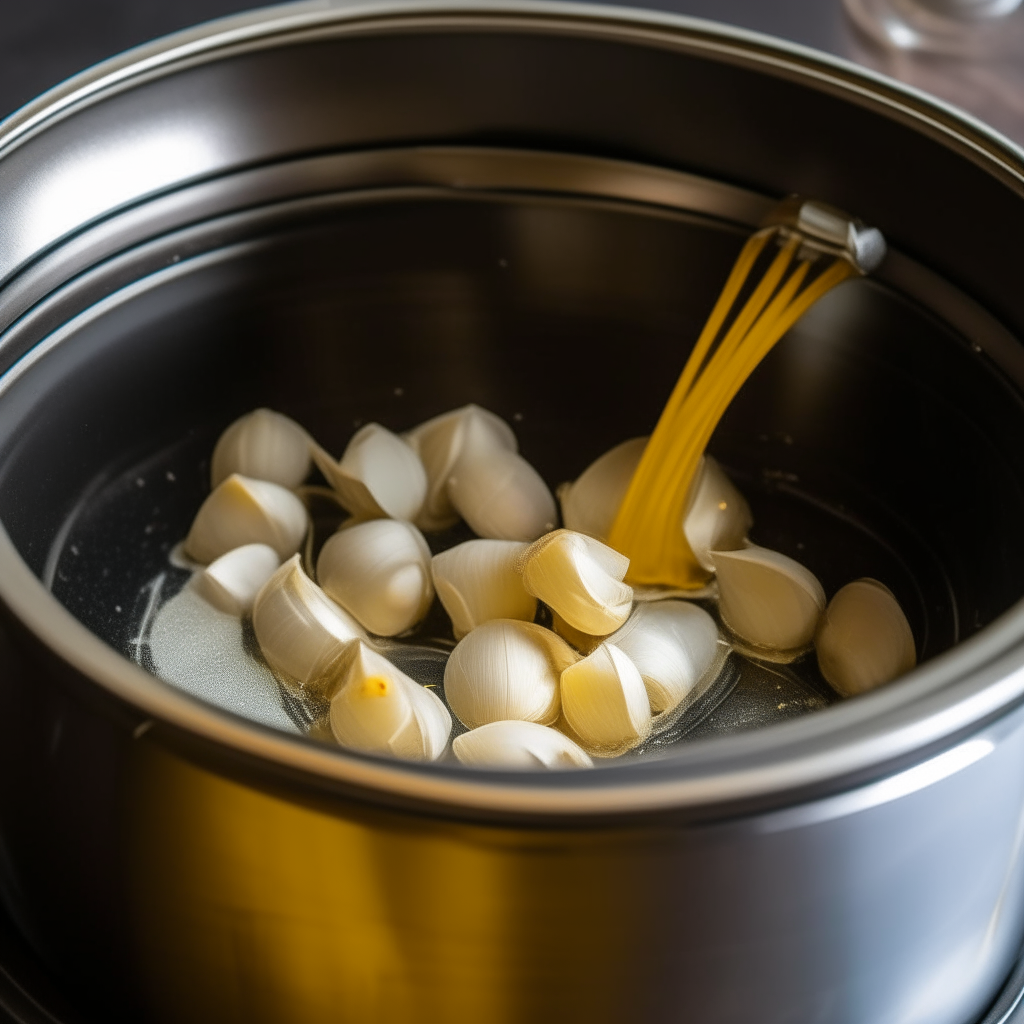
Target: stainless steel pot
<point>353,212</point>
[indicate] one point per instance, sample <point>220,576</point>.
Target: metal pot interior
<point>871,442</point>
<point>878,439</point>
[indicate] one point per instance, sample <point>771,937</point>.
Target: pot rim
<point>932,707</point>
<point>258,28</point>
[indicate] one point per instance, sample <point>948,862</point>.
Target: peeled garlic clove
<point>438,443</point>
<point>477,581</point>
<point>591,503</point>
<point>718,517</point>
<point>243,511</point>
<point>519,745</point>
<point>580,579</point>
<point>381,710</point>
<point>506,669</point>
<point>302,633</point>
<point>768,599</point>
<point>232,581</point>
<point>605,702</point>
<point>583,642</point>
<point>379,475</point>
<point>864,639</point>
<point>379,572</point>
<point>672,644</point>
<point>264,445</point>
<point>496,491</point>
<point>502,497</point>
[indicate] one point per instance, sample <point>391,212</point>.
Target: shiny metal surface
<point>859,865</point>
<point>833,231</point>
<point>465,169</point>
<point>377,917</point>
<point>187,134</point>
<point>1008,1007</point>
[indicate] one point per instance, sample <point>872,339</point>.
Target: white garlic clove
<point>243,511</point>
<point>506,669</point>
<point>378,476</point>
<point>767,599</point>
<point>673,644</point>
<point>497,492</point>
<point>380,710</point>
<point>718,517</point>
<point>591,503</point>
<point>864,639</point>
<point>264,445</point>
<point>582,642</point>
<point>477,582</point>
<point>604,700</point>
<point>519,745</point>
<point>379,572</point>
<point>302,633</point>
<point>438,443</point>
<point>580,579</point>
<point>231,582</point>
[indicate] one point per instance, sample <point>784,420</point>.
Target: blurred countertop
<point>42,42</point>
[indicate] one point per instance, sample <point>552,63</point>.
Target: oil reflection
<point>253,909</point>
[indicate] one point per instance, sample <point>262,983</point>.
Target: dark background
<point>42,42</point>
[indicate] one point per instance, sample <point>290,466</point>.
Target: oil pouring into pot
<point>573,643</point>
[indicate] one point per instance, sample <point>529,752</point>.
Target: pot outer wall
<point>169,890</point>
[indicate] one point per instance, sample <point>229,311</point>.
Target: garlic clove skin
<point>263,445</point>
<point>864,639</point>
<point>718,517</point>
<point>499,494</point>
<point>379,572</point>
<point>591,503</point>
<point>379,475</point>
<point>580,579</point>
<point>244,511</point>
<point>438,443</point>
<point>230,583</point>
<point>604,700</point>
<point>506,670</point>
<point>768,599</point>
<point>477,581</point>
<point>673,644</point>
<point>303,634</point>
<point>524,745</point>
<point>380,710</point>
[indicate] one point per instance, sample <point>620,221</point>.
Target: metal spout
<point>826,229</point>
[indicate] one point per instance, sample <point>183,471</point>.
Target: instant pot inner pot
<point>874,441</point>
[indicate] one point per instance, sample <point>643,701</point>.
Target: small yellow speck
<point>723,505</point>
<point>781,706</point>
<point>375,686</point>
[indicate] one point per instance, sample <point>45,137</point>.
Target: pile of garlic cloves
<point>558,659</point>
